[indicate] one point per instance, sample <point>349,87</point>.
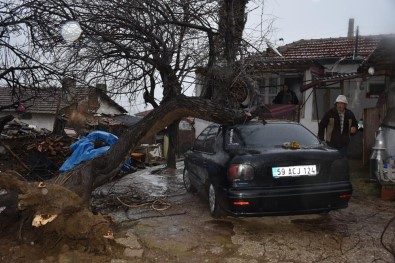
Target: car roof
<point>271,121</point>
<point>259,121</point>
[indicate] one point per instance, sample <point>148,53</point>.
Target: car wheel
<point>187,182</point>
<point>215,209</point>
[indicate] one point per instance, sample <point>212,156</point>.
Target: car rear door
<point>202,153</point>
<point>207,155</point>
<point>198,157</point>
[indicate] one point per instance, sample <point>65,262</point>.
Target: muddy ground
<point>155,220</point>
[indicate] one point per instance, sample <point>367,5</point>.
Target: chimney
<point>350,33</point>
<point>69,88</point>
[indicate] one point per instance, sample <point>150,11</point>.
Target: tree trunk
<point>173,144</point>
<point>231,26</point>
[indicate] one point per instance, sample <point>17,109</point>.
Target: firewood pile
<point>35,154</point>
<point>53,146</point>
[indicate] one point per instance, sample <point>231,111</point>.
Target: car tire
<point>215,210</point>
<point>187,182</point>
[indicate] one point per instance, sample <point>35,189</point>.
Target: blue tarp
<point>84,149</point>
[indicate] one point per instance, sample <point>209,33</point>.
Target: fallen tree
<point>89,175</point>
<point>60,206</point>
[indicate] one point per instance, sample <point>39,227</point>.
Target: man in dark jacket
<point>286,96</point>
<point>337,125</point>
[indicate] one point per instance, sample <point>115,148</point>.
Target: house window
<point>324,99</point>
<point>375,89</point>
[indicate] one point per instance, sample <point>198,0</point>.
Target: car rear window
<point>269,135</point>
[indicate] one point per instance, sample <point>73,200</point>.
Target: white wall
<point>200,125</point>
<point>41,121</point>
<point>307,121</point>
<point>106,108</point>
<point>339,68</point>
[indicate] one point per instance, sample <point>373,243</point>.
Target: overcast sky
<point>312,19</point>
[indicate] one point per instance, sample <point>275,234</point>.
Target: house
<point>318,70</point>
<point>346,71</point>
<point>50,108</point>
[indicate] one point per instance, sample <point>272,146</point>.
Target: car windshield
<point>269,135</point>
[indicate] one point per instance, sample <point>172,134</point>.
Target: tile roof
<point>330,47</point>
<point>47,100</point>
<point>44,101</point>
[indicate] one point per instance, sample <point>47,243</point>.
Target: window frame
<point>204,143</point>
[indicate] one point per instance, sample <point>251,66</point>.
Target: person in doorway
<point>337,125</point>
<point>286,96</point>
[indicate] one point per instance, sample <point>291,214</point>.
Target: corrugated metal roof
<point>270,64</point>
<point>126,120</point>
<point>327,79</point>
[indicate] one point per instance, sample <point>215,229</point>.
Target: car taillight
<point>345,196</point>
<point>241,203</point>
<point>241,172</point>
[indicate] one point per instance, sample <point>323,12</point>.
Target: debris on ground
<point>38,154</point>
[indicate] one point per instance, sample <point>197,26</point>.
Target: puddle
<point>155,185</point>
<point>179,236</point>
<point>131,197</point>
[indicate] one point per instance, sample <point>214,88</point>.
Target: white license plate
<point>298,170</point>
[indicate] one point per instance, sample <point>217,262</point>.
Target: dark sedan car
<point>270,168</point>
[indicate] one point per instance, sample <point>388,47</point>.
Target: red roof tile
<point>47,101</point>
<point>330,47</point>
<point>41,102</point>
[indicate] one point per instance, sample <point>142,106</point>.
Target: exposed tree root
<point>52,212</point>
